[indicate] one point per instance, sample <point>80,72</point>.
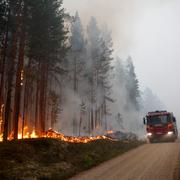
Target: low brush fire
<point>53,134</point>
<point>56,135</point>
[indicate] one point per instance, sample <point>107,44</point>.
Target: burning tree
<point>32,49</point>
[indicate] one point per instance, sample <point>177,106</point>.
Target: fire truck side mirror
<point>144,120</point>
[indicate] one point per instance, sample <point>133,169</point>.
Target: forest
<point>56,73</point>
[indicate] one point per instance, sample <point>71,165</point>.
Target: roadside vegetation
<point>55,159</point>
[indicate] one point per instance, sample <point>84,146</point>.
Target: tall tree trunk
<point>18,89</point>
<point>26,98</point>
<point>19,79</point>
<point>105,115</point>
<point>37,109</point>
<point>10,73</point>
<point>75,124</point>
<point>92,103</point>
<point>37,104</point>
<point>10,85</point>
<point>42,100</point>
<point>4,56</point>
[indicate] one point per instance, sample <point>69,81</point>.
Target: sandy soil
<point>159,161</point>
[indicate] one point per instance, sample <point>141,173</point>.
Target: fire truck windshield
<point>162,119</point>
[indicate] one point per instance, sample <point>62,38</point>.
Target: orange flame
<point>109,132</point>
<point>53,134</point>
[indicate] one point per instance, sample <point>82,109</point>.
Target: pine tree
<point>105,71</point>
<point>36,32</point>
<point>76,59</point>
<point>132,84</point>
<point>94,44</point>
<point>100,45</point>
<point>15,7</point>
<point>4,30</point>
<point>20,70</point>
<point>47,47</point>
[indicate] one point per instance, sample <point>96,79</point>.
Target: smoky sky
<point>148,31</point>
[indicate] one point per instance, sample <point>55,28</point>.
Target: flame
<point>53,134</point>
<point>33,134</point>
<point>56,135</point>
<point>110,132</point>
<point>1,137</point>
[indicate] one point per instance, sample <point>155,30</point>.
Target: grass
<point>54,159</point>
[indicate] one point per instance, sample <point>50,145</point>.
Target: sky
<point>148,31</point>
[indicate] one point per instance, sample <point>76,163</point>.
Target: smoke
<point>137,30</point>
<point>131,117</point>
<point>112,14</point>
<point>69,112</point>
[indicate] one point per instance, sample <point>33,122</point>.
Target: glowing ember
<point>53,134</point>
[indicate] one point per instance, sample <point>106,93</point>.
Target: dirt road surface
<point>159,161</point>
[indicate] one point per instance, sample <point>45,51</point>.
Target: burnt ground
<point>54,159</point>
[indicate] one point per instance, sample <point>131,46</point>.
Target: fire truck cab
<point>160,126</point>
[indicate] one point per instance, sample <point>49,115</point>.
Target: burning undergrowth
<point>56,135</point>
<point>46,158</point>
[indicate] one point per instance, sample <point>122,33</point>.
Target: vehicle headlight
<point>149,134</point>
<point>170,133</point>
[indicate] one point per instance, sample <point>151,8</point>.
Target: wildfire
<point>53,134</point>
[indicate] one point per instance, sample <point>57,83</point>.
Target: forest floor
<point>54,159</point>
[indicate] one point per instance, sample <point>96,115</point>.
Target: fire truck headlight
<point>149,134</point>
<point>170,133</point>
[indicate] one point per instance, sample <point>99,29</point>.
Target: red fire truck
<point>161,125</point>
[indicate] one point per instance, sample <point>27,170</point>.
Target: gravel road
<point>159,161</point>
